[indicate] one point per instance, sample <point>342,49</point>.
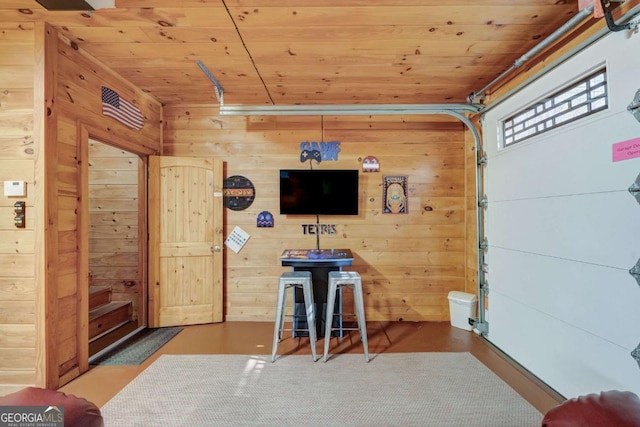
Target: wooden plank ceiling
<point>282,52</point>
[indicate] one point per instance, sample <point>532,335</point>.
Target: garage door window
<point>580,99</point>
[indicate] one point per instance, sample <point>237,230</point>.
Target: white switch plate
<point>15,188</point>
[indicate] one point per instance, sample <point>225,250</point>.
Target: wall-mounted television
<point>318,192</point>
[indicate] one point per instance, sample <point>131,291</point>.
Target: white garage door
<point>564,231</point>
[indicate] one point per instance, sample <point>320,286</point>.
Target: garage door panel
<point>600,228</point>
<point>538,342</point>
<point>532,170</point>
<point>623,75</point>
<point>529,279</point>
<point>563,232</point>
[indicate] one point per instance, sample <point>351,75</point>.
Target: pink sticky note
<point>626,150</point>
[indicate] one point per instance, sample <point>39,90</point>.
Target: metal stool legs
<point>352,280</point>
<point>295,279</point>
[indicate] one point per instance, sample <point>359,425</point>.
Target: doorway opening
<point>117,246</point>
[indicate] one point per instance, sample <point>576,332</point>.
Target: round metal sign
<point>238,193</point>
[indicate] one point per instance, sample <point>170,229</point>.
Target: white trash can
<point>462,306</point>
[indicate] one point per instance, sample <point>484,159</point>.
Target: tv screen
<point>318,192</point>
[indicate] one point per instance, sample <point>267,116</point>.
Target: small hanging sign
<point>395,196</point>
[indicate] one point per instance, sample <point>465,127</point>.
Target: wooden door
<point>185,241</point>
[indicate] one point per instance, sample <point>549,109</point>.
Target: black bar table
<point>319,262</point>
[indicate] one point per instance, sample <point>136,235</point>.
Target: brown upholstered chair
<point>78,412</point>
<point>606,409</point>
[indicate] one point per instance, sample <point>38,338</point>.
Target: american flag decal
<point>124,112</point>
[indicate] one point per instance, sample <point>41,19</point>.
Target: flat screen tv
<point>318,192</point>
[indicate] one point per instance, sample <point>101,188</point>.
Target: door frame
<point>85,133</point>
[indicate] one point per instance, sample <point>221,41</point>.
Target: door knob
<point>215,249</point>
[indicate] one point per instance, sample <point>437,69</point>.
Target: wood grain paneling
<point>78,116</point>
<point>69,83</point>
<point>288,52</point>
<point>113,205</point>
<point>17,247</point>
<point>409,262</point>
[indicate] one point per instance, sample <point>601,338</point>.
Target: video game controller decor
<point>319,151</point>
<point>238,193</point>
<point>310,155</point>
<point>265,219</point>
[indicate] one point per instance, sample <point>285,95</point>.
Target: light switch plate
<point>15,188</point>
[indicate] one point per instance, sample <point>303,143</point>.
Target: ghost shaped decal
<point>265,219</point>
<point>370,164</point>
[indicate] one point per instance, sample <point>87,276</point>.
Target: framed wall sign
<point>238,193</point>
<point>395,194</point>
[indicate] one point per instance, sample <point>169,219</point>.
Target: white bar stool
<point>292,280</point>
<point>349,279</point>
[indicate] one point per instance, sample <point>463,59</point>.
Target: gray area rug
<point>138,348</point>
<point>399,389</point>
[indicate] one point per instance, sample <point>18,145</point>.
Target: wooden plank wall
<point>78,107</point>
<point>113,222</point>
<point>73,92</point>
<point>409,262</point>
<point>17,247</point>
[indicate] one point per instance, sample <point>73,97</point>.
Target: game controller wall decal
<point>310,155</point>
<point>319,151</point>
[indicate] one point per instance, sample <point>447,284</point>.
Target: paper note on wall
<point>236,240</point>
<point>626,150</point>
